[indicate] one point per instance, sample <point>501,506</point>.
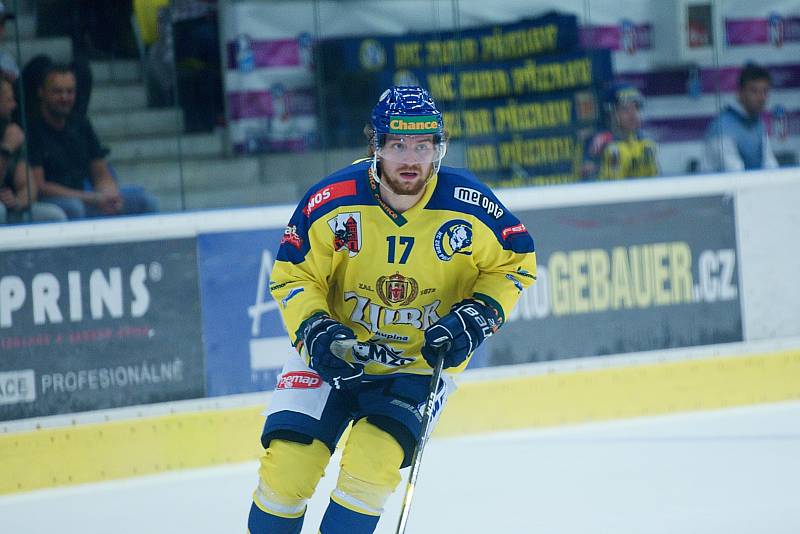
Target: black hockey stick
<point>427,421</point>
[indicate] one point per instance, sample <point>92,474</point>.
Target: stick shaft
<point>416,460</point>
<point>340,349</point>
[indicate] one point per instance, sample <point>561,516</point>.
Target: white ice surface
<point>732,471</point>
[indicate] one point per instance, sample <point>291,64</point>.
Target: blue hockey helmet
<point>623,93</point>
<point>408,110</point>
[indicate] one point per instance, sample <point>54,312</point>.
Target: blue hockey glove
<point>318,335</point>
<point>459,332</point>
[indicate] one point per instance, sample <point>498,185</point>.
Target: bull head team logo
<point>453,237</point>
<point>346,228</point>
<point>397,289</point>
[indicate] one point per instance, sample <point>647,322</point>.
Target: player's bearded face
<point>407,162</point>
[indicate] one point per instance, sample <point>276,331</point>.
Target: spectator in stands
<point>198,67</point>
<point>67,160</point>
<point>17,188</point>
<point>622,151</point>
<point>33,75</point>
<point>8,62</point>
<point>737,139</point>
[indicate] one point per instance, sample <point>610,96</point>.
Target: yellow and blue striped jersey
<point>390,275</point>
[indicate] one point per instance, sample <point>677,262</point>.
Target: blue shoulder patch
<point>459,190</point>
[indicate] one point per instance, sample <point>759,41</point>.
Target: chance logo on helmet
<point>429,124</point>
<point>406,109</point>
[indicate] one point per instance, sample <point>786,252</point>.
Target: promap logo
<point>299,380</point>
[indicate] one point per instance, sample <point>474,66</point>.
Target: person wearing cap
<point>385,266</point>
<point>621,151</point>
<point>9,68</point>
<point>737,140</point>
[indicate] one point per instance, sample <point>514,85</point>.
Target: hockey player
<point>408,256</point>
<point>622,151</point>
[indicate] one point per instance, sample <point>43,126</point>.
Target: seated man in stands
<point>737,139</point>
<point>67,160</point>
<point>622,151</point>
<point>17,191</point>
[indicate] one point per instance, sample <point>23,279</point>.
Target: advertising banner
<point>269,80</point>
<point>245,340</point>
<point>617,278</point>
<point>522,97</point>
<point>96,327</point>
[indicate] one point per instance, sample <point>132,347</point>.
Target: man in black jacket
<point>68,161</point>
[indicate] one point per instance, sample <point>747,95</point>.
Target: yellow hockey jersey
<point>389,276</point>
<point>632,157</point>
<point>616,158</point>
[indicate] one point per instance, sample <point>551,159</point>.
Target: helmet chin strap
<point>374,168</point>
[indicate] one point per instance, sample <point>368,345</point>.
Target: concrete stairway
<point>22,31</point>
<point>149,148</point>
<point>191,171</point>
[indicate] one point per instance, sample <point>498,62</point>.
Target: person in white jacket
<point>737,140</point>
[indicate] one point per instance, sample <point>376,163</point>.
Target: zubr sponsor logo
<point>373,316</point>
<point>52,301</point>
<point>299,380</point>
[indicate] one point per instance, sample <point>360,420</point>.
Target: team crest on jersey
<point>453,237</point>
<point>397,289</point>
<point>346,228</point>
<point>290,236</point>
